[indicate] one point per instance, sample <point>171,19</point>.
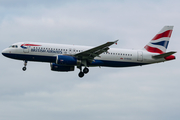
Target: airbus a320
<point>64,58</point>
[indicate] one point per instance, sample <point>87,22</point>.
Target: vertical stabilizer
<point>160,42</point>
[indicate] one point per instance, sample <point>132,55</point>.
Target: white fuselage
<point>47,52</point>
<point>64,58</point>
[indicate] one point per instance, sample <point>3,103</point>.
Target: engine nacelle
<point>67,60</point>
<point>61,68</point>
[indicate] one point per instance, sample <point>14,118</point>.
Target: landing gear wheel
<point>85,70</point>
<point>81,74</point>
<point>24,68</point>
<point>25,64</point>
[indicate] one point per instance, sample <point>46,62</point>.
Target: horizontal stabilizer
<point>163,55</point>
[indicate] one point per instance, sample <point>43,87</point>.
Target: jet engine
<point>61,68</point>
<point>67,60</point>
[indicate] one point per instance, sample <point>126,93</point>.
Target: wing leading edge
<point>90,54</point>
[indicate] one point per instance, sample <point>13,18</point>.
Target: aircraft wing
<point>90,54</point>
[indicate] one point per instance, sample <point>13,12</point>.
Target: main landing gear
<point>25,64</point>
<point>81,73</point>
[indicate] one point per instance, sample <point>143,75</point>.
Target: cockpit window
<point>13,46</point>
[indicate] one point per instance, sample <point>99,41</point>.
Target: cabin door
<point>139,56</point>
<point>25,47</point>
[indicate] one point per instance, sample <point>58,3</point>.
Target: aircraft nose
<point>4,52</point>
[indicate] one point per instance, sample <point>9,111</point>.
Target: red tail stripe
<point>164,34</point>
<point>153,50</point>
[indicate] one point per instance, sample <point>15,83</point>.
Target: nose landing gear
<point>25,64</point>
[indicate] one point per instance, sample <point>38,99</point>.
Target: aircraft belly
<point>108,63</point>
<point>28,57</point>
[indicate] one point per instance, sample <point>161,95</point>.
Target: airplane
<point>64,58</point>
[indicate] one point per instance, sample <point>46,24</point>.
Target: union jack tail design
<point>160,42</point>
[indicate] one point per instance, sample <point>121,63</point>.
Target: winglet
<point>116,42</point>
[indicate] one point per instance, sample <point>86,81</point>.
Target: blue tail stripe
<point>162,43</point>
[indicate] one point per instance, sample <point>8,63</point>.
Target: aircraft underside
<point>52,59</point>
<point>66,68</point>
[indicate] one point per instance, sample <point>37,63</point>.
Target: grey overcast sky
<point>135,93</point>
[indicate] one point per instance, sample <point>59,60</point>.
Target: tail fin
<point>160,42</point>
